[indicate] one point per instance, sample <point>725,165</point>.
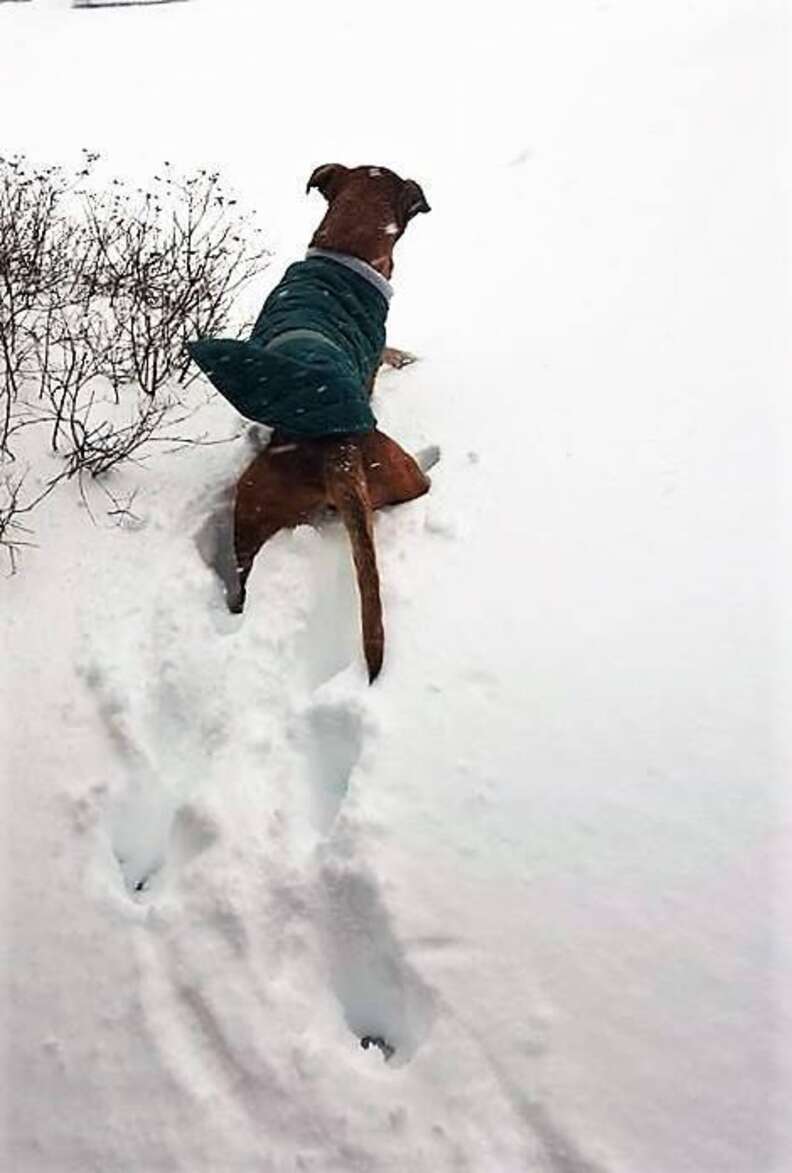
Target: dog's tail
<point>348,491</point>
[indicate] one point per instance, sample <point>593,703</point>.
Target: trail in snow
<point>174,741</point>
<point>235,824</point>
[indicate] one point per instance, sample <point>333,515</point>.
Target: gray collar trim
<point>357,266</point>
<point>300,334</point>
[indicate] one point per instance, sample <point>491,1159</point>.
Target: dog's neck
<point>357,266</point>
<point>361,222</point>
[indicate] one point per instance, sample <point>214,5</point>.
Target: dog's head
<point>368,210</point>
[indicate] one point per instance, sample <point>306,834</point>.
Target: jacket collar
<point>357,266</point>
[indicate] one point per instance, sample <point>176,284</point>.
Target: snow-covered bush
<point>100,287</point>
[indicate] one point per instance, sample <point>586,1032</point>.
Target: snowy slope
<point>538,857</point>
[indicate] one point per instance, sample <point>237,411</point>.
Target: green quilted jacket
<point>316,344</point>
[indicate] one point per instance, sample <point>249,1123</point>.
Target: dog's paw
<point>235,600</point>
<point>428,457</point>
<point>391,357</point>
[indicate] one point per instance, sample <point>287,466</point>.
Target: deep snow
<point>544,856</point>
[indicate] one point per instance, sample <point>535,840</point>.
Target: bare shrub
<point>100,288</point>
<point>167,265</point>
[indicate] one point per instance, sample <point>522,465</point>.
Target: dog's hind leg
<point>249,537</point>
<point>282,488</point>
<point>393,475</point>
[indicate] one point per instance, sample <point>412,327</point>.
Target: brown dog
<point>285,485</point>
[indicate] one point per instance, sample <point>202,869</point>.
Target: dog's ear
<point>413,199</point>
<point>328,178</point>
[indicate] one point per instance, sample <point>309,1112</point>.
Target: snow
<point>543,858</point>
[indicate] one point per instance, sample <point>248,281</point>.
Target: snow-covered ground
<point>543,856</point>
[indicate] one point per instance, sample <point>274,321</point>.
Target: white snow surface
<point>543,856</point>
